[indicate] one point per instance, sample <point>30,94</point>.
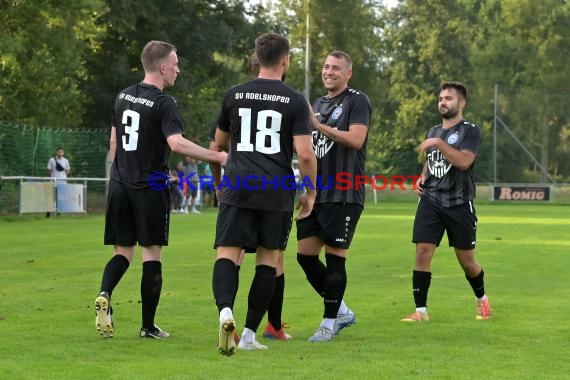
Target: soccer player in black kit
<point>447,191</point>
<point>260,120</point>
<point>275,328</point>
<point>341,123</point>
<point>146,126</point>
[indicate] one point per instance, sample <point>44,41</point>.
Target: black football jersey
<point>446,184</point>
<point>335,160</point>
<point>262,116</point>
<point>144,117</point>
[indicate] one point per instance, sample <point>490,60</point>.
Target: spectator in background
<point>297,174</point>
<point>191,167</point>
<point>58,166</point>
<point>177,196</point>
<point>205,186</point>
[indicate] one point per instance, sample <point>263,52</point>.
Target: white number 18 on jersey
<point>264,129</point>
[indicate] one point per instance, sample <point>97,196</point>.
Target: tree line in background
<point>63,61</point>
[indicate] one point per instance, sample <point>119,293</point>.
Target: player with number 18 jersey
<point>262,116</point>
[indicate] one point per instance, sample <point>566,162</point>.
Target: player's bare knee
<point>471,269</point>
<point>424,253</point>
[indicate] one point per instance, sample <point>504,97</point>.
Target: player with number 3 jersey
<point>146,127</point>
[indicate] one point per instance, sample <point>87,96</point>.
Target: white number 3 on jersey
<point>131,141</point>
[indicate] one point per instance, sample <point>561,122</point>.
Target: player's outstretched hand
<point>429,143</point>
<point>305,204</point>
<point>223,157</point>
<point>419,186</point>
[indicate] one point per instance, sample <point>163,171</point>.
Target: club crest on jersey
<point>336,113</point>
<point>452,139</point>
<point>322,144</point>
<point>438,164</point>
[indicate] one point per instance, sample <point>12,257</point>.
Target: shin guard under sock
<point>315,271</point>
<point>335,284</point>
<point>151,286</point>
<point>260,294</point>
<point>224,283</point>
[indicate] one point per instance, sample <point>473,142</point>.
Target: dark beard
<point>449,114</point>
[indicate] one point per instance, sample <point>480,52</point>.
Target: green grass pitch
<point>50,272</point>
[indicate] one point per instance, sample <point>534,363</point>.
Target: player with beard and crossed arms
<point>447,192</point>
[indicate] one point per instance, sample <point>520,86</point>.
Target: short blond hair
<point>339,54</point>
<point>153,53</point>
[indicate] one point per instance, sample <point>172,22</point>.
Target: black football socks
<point>275,309</point>
<point>420,283</point>
<point>224,283</point>
<point>113,272</point>
<point>151,286</point>
<point>477,284</point>
<point>335,284</point>
<point>260,294</point>
<point>315,271</point>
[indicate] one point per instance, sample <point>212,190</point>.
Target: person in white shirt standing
<point>58,166</point>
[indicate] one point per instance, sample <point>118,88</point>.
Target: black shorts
<point>333,223</point>
<point>249,228</point>
<point>285,232</point>
<point>136,216</point>
<point>432,219</point>
<point>284,237</point>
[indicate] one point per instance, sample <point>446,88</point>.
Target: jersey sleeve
<point>51,164</point>
<point>212,132</point>
<point>302,120</point>
<point>472,139</point>
<point>431,132</point>
<point>360,110</point>
<point>113,116</point>
<point>170,119</point>
<point>224,117</point>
